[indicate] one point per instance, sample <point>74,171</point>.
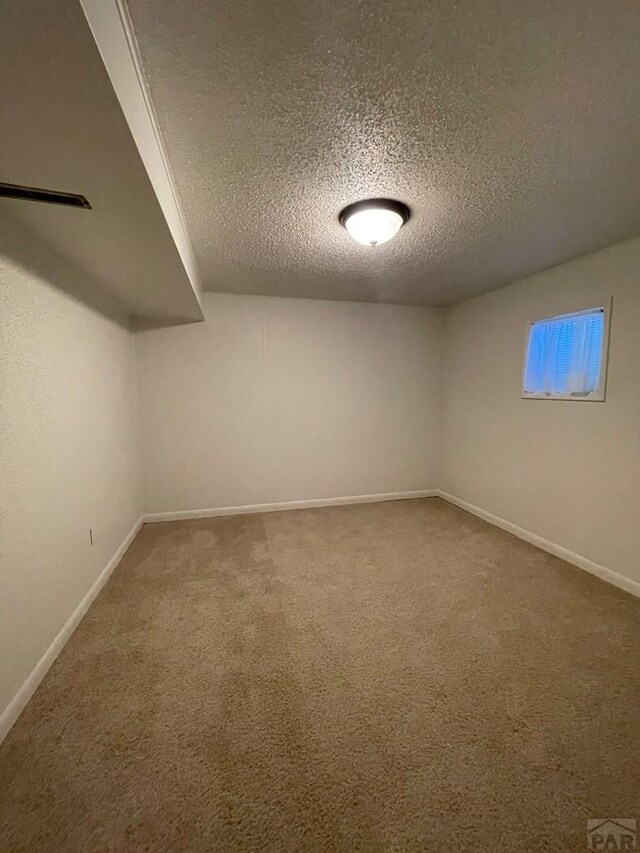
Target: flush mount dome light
<point>375,220</point>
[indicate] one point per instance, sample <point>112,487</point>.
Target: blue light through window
<point>564,356</point>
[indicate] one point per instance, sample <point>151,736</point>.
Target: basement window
<point>566,357</point>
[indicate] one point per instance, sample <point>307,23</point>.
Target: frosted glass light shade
<point>374,222</point>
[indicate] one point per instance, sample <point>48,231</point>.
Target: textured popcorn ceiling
<point>510,128</point>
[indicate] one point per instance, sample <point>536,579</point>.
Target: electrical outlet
<point>92,535</point>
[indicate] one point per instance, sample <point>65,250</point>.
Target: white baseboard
<point>602,572</point>
<point>278,507</point>
<point>17,704</point>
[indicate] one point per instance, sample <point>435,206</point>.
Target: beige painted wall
<point>566,471</point>
<point>69,457</point>
<point>275,400</point>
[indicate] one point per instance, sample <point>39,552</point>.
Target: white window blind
<point>565,354</point>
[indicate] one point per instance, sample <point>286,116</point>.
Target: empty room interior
<point>319,426</point>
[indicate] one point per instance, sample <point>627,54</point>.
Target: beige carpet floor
<point>385,677</point>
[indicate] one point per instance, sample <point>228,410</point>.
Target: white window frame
<point>598,395</point>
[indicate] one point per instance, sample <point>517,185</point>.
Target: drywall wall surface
<point>273,400</point>
<point>69,458</point>
<point>568,471</point>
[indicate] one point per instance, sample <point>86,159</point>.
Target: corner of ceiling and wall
<point>81,122</point>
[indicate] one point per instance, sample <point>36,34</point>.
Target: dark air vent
<point>47,196</point>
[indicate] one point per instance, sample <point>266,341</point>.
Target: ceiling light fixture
<point>375,220</point>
